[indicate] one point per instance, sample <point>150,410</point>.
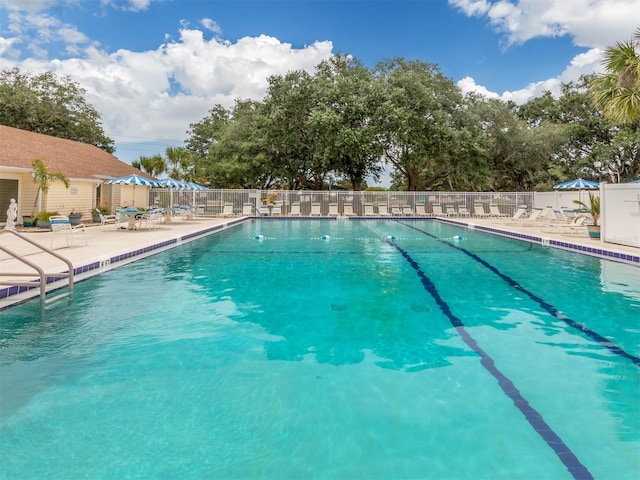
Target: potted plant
<point>95,213</point>
<point>42,219</point>
<point>75,217</point>
<point>267,203</point>
<point>593,209</point>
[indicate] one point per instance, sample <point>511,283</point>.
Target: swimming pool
<point>330,349</point>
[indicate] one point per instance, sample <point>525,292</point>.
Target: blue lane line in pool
<point>601,340</point>
<point>535,419</point>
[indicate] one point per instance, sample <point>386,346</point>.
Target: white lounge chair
<point>295,209</point>
<point>247,209</point>
<point>420,209</point>
<point>396,210</point>
<point>382,210</point>
<point>368,210</point>
<point>347,210</point>
<point>315,210</point>
<point>494,211</point>
<point>463,211</point>
<point>531,220</point>
<point>227,210</point>
<point>333,210</point>
<point>577,226</point>
<point>407,210</point>
<point>478,210</point>
<point>436,210</point>
<point>518,214</point>
<point>450,210</point>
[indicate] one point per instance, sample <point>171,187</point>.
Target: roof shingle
<point>74,159</point>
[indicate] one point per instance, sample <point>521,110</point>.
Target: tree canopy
<point>50,105</point>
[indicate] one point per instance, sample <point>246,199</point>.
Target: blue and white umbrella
<point>173,184</point>
<point>578,184</point>
<point>195,186</point>
<point>133,179</point>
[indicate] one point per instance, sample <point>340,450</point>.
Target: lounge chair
<point>436,210</point>
<point>407,210</point>
<point>247,209</point>
<point>347,210</point>
<point>295,209</point>
<point>315,210</point>
<point>276,210</point>
<point>420,209</point>
<point>577,225</point>
<point>518,214</point>
<point>396,210</point>
<point>463,211</point>
<point>368,210</point>
<point>478,210</point>
<point>333,210</point>
<point>450,210</point>
<point>60,225</point>
<point>227,210</point>
<point>531,220</point>
<point>382,210</point>
<point>494,211</point>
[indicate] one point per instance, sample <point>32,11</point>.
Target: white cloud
<point>468,84</point>
<point>582,64</point>
<point>158,93</point>
<point>211,25</point>
<point>130,5</point>
<point>28,5</point>
<point>590,23</point>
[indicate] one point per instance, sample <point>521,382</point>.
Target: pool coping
<point>13,295</point>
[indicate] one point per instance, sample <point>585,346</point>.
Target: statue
<point>12,215</point>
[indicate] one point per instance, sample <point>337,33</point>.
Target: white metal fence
<point>338,202</point>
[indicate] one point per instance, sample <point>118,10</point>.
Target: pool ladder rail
<point>41,282</point>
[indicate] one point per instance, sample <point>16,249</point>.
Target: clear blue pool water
<point>390,350</point>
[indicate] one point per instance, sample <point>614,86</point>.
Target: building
<point>86,167</point>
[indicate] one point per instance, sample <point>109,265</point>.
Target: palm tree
<point>42,178</point>
<point>617,91</point>
<point>154,165</point>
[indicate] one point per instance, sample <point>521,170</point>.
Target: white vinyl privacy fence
<point>620,213</point>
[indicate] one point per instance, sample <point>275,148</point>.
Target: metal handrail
<point>41,273</point>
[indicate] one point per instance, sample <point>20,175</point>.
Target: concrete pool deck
<point>108,248</point>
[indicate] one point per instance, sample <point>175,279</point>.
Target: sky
<point>151,68</point>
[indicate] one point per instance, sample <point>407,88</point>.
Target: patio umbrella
<point>195,186</point>
<point>577,184</point>
<point>173,184</point>
<point>133,179</point>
